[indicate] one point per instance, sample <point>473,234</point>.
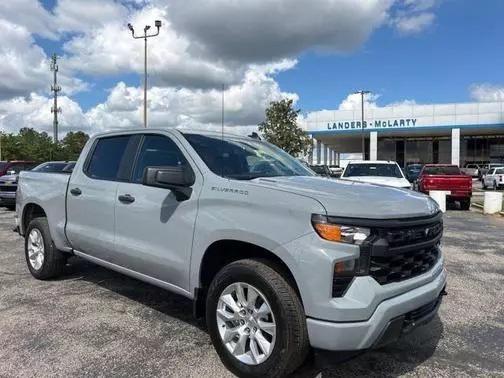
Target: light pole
<point>362,93</point>
<point>157,23</point>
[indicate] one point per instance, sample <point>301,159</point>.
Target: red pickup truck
<point>449,178</point>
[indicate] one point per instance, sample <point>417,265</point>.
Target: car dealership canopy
<point>441,133</point>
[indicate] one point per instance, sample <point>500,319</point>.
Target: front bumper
<point>7,198</point>
<point>386,323</point>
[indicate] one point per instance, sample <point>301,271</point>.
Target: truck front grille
<point>8,188</point>
<point>399,267</point>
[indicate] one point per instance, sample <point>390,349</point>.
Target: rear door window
<point>106,160</point>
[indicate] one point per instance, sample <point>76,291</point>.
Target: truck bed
<point>47,190</point>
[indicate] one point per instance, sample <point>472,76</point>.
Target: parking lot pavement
<point>94,322</point>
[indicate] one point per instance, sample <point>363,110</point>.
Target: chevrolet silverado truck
<point>448,178</point>
<point>278,260</point>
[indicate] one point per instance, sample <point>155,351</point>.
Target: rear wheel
<point>256,321</point>
<point>43,259</point>
<point>465,204</point>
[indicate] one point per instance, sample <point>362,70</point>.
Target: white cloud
<point>25,67</point>
<point>30,15</point>
<point>191,108</point>
<point>354,101</point>
<point>487,92</point>
<point>413,16</point>
<point>414,24</point>
<point>35,112</point>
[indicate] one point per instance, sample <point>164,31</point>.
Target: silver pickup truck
<point>278,260</point>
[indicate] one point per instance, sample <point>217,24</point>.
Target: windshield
<point>50,167</point>
<point>244,159</point>
<point>442,170</point>
<point>369,169</point>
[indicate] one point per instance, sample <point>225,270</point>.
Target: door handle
<point>76,191</point>
<point>126,198</point>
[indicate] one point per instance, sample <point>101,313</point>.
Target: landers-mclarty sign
<point>403,122</point>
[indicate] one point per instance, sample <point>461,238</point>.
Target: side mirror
<point>178,179</point>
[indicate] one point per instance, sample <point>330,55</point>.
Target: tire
<point>465,204</point>
<point>53,261</point>
<point>290,343</point>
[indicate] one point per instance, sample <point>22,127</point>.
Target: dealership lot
<point>94,322</point>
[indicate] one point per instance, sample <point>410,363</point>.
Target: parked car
<point>449,178</point>
<point>412,171</point>
<point>277,259</point>
<point>8,183</point>
<point>321,170</point>
<point>471,169</point>
<point>336,171</point>
<point>55,167</point>
<point>485,168</point>
<point>376,172</point>
<point>15,166</point>
<point>494,178</point>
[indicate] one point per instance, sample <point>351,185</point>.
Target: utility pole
<point>362,93</point>
<point>55,88</point>
<point>157,23</point>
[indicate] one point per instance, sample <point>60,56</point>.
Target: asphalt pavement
<point>96,323</point>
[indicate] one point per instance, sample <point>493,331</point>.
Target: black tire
<point>54,260</point>
<point>291,345</point>
<point>465,204</point>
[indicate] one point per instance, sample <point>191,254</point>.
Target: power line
<point>55,88</point>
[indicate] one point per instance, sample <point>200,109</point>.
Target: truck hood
<point>397,182</point>
<point>355,199</point>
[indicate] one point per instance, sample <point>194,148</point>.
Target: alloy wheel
<point>246,323</point>
<point>36,252</point>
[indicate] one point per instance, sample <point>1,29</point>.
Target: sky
<point>315,52</point>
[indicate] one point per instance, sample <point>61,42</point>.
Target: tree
<point>30,144</point>
<point>281,128</point>
<point>73,143</point>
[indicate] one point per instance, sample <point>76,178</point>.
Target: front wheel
<point>256,320</point>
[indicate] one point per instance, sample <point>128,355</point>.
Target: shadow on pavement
<point>396,359</point>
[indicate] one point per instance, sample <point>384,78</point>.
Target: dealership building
<point>442,133</point>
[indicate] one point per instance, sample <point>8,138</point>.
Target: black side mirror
<point>178,179</point>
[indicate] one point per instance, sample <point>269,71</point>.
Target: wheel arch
<point>224,251</point>
<point>30,211</point>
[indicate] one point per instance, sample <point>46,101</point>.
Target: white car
<point>494,178</point>
<point>376,172</point>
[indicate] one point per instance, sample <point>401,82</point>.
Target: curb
<point>480,207</point>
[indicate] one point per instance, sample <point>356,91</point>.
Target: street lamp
<point>157,24</point>
<point>362,93</point>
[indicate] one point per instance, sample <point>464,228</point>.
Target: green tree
<point>72,144</point>
<point>30,144</point>
<point>281,128</point>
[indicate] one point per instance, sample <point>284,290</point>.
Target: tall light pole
<point>157,23</point>
<point>55,88</point>
<point>362,93</point>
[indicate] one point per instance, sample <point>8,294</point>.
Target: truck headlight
<point>339,232</point>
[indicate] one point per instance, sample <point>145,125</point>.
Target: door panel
<point>92,193</point>
<point>154,230</point>
<point>154,233</point>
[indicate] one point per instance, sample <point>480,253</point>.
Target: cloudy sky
<point>316,52</point>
